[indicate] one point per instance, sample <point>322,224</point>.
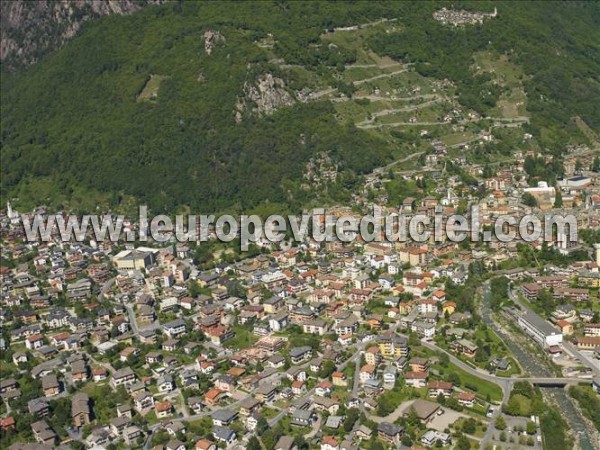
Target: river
<point>570,411</point>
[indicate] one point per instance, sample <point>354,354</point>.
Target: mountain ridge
<point>87,119</point>
<point>32,29</point>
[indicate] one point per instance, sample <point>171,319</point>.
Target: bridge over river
<point>541,376</point>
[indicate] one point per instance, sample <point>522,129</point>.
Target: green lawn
<point>269,412</point>
<point>479,432</point>
<point>150,91</point>
<point>242,338</point>
<point>479,386</point>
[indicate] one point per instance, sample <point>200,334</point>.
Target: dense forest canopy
<point>72,125</point>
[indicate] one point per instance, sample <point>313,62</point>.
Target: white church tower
<point>13,215</point>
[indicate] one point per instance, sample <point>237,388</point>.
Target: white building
<point>544,334</point>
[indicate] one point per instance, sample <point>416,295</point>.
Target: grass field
<point>242,338</point>
<point>150,91</point>
<point>513,102</point>
<point>480,387</point>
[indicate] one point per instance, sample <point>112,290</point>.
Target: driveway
<point>392,417</point>
<point>443,421</point>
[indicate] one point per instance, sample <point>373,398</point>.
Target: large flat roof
<point>538,323</point>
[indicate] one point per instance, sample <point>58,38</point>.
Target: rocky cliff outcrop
<point>267,94</point>
<point>211,38</point>
<point>32,28</point>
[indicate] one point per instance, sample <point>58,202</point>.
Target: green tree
<point>374,444</point>
<point>327,369</point>
<point>253,444</point>
<point>513,407</point>
<point>488,172</point>
<point>441,399</point>
<point>529,200</point>
<point>194,288</point>
<point>558,200</point>
<point>351,417</point>
<point>300,442</point>
<point>406,440</point>
<point>463,443</point>
<point>531,428</point>
<point>261,425</point>
<point>444,358</point>
<point>469,426</point>
<point>500,423</point>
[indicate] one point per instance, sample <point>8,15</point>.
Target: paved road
<point>356,381</point>
<point>355,358</point>
<point>132,319</point>
<point>379,77</point>
<point>498,121</point>
<point>387,112</point>
<point>570,348</point>
<point>504,383</point>
<point>378,171</point>
<point>105,287</point>
<point>569,410</point>
<point>373,66</point>
<point>315,429</point>
<point>134,326</point>
<point>391,98</point>
<point>191,418</point>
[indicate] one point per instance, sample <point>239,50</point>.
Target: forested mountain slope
<point>220,107</point>
<point>30,29</point>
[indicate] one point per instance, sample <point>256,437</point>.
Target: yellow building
<point>133,259</point>
<point>339,379</point>
<point>448,307</point>
<point>373,356</point>
<point>392,345</point>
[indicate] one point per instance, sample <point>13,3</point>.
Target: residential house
<point>165,383</point>
<point>390,432</point>
<point>432,437</point>
<point>50,385</point>
<point>123,376</point>
<point>214,396</point>
<point>419,364</point>
<point>163,409</point>
<point>43,433</point>
<point>373,356</point>
<point>466,399</point>
<point>440,387</point>
<point>339,379</point>
<point>80,409</point>
<point>300,354</point>
<point>367,372</point>
<point>464,347</point>
<point>225,435</point>
<point>329,443</point>
<point>416,379</point>
<point>174,328</point>
<point>302,418</point>
<point>223,417</point>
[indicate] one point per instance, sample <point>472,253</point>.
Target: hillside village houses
<point>301,333</point>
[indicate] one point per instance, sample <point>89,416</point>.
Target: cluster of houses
<point>572,317</point>
<point>97,312</point>
<point>462,17</point>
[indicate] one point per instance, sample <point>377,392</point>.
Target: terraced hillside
<point>275,105</point>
